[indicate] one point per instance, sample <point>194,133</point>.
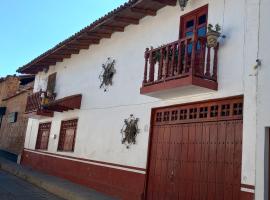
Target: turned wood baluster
<point>193,54</point>
<point>152,66</point>
<point>167,62</point>
<point>179,63</point>
<point>186,68</point>
<point>208,62</point>
<point>173,68</point>
<point>36,100</point>
<point>32,102</point>
<point>29,106</point>
<point>146,56</point>
<point>215,62</point>
<point>202,57</point>
<point>160,65</point>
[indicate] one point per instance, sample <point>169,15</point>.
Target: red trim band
<point>252,187</point>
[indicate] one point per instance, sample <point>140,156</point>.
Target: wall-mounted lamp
<point>183,4</point>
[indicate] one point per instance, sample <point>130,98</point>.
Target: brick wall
<point>8,87</point>
<point>12,135</point>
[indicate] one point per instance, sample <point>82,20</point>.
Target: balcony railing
<point>182,58</point>
<point>36,101</point>
<point>42,104</point>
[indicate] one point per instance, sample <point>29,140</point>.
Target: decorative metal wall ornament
<point>107,73</point>
<point>130,131</point>
<point>183,4</point>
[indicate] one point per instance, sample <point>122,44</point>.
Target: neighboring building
<point>13,122</point>
<point>203,112</point>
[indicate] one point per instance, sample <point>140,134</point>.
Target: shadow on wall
<point>9,156</point>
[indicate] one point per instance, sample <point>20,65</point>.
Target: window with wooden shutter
<point>43,136</point>
<point>194,24</point>
<point>67,135</point>
<point>51,83</point>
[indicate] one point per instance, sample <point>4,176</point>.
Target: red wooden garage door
<point>196,151</point>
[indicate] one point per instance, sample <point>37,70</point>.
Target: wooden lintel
<point>127,20</point>
<point>144,11</point>
<point>113,28</point>
<point>167,2</point>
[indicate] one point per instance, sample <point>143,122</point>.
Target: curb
<point>57,186</point>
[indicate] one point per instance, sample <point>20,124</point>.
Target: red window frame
<point>43,136</point>
<point>67,135</point>
<point>193,15</point>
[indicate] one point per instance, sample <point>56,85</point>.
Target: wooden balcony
<point>40,105</point>
<point>185,63</point>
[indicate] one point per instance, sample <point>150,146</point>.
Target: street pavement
<point>13,188</point>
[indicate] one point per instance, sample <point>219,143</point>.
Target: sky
<point>28,28</point>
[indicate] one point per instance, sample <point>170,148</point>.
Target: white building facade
<point>200,135</point>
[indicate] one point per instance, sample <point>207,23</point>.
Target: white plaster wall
<point>102,114</point>
<point>249,77</point>
<point>263,101</point>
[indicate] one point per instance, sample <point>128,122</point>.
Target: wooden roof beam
<point>102,35</point>
<point>144,11</point>
<point>55,59</point>
<point>37,68</point>
<point>166,2</point>
<point>88,41</point>
<point>127,20</point>
<point>78,46</point>
<point>60,56</point>
<point>48,63</point>
<point>113,28</point>
<point>69,51</point>
<point>86,36</point>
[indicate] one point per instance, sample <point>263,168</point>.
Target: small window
<point>12,117</point>
<point>51,83</point>
<point>67,135</point>
<point>43,136</point>
<point>202,19</point>
<point>194,22</point>
<point>190,24</point>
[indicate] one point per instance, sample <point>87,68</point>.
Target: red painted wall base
<point>120,183</point>
<point>247,196</point>
<point>116,182</point>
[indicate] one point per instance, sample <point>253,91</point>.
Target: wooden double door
<point>196,152</point>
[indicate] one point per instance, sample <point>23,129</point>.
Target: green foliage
<point>211,28</point>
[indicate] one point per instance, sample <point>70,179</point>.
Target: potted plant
<point>212,35</point>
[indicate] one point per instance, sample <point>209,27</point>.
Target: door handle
<point>172,175</point>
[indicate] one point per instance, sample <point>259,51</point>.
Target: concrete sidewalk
<point>60,187</point>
